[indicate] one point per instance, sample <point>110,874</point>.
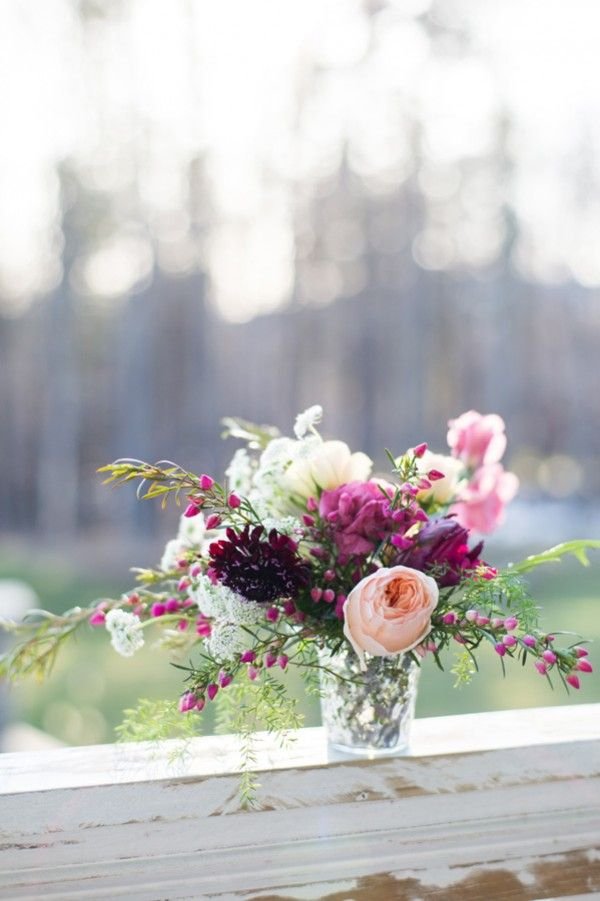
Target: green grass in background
<point>91,685</point>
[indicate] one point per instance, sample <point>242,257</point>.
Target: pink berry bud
<point>269,660</point>
<point>549,656</point>
<point>434,475</point>
<point>200,704</point>
<point>449,618</point>
<point>316,594</point>
<point>420,449</point>
<point>183,584</point>
<point>460,638</point>
<point>308,520</point>
<point>206,482</point>
<point>311,505</point>
<point>187,702</point>
<point>192,509</point>
<point>213,521</point>
<point>509,641</point>
<point>225,679</point>
<point>424,484</point>
<point>581,652</point>
<point>497,622</point>
<point>510,623</point>
<point>182,625</point>
<point>541,667</point>
<point>234,501</point>
<point>97,618</point>
<point>203,628</point>
<point>329,595</point>
<point>318,552</point>
<point>573,680</point>
<point>272,614</point>
<point>253,673</point>
<point>529,641</point>
<point>172,605</point>
<point>289,608</point>
<point>482,620</point>
<point>471,616</point>
<point>329,575</point>
<point>211,691</point>
<point>158,609</point>
<point>500,649</point>
<point>584,666</point>
<point>248,657</point>
<point>282,661</point>
<point>195,570</point>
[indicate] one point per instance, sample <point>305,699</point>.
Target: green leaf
<point>576,548</point>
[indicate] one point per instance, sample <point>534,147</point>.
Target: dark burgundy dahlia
<point>441,547</point>
<point>259,567</point>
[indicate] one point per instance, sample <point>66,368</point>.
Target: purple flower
<point>360,517</point>
<point>259,568</point>
<point>442,546</point>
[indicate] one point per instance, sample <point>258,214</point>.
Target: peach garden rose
<point>389,611</point>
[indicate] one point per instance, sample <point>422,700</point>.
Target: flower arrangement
<point>302,549</point>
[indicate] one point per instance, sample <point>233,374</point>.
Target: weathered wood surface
<point>514,823</point>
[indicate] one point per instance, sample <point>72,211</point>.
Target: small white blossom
<point>240,472</point>
<point>306,421</point>
<point>226,641</point>
<point>126,632</point>
<point>171,555</point>
<point>192,530</point>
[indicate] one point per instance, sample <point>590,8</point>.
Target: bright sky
<point>269,94</point>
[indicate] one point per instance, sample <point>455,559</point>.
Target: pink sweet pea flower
<point>477,439</point>
<point>483,502</point>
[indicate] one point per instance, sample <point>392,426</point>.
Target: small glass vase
<point>368,712</point>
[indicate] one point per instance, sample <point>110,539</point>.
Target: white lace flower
<point>212,600</point>
<point>126,632</point>
<point>306,421</point>
<point>285,525</point>
<point>226,641</point>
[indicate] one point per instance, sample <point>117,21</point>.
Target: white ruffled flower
<point>326,465</point>
<point>306,421</point>
<point>442,491</point>
<point>126,632</point>
<point>226,641</point>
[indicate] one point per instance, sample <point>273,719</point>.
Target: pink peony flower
<point>483,502</point>
<point>360,517</point>
<point>477,439</point>
<point>389,612</point>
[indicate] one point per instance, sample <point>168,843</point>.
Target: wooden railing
<point>488,806</point>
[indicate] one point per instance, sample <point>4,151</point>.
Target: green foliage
<point>464,668</point>
<point>576,548</point>
<point>506,592</point>
<point>157,720</point>
<point>245,708</point>
<point>256,436</point>
<point>40,637</point>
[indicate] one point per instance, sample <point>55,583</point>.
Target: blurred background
<point>389,207</point>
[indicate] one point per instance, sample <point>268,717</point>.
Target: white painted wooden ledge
<point>488,806</point>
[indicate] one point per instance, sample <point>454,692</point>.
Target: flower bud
<point>329,595</point>
<point>500,649</point>
<point>234,501</point>
<point>541,667</point>
<point>510,623</point>
<point>248,657</point>
<point>158,609</point>
<point>225,679</point>
<point>316,594</point>
<point>206,482</point>
<point>449,618</point>
<point>509,641</point>
<point>573,680</point>
<point>312,505</point>
<point>549,656</point>
<point>211,691</point>
<point>581,652</point>
<point>434,475</point>
<point>272,614</point>
<point>213,521</point>
<point>282,661</point>
<point>269,660</point>
<point>584,666</point>
<point>192,509</point>
<point>420,449</point>
<point>529,641</point>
